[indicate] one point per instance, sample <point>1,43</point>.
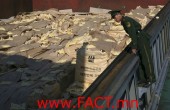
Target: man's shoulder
<point>127,21</point>
<point>131,20</point>
<point>126,18</point>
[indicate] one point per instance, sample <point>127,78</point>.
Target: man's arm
<point>131,30</point>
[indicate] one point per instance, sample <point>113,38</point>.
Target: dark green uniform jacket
<point>140,41</point>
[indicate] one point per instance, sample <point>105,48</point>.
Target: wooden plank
<point>66,11</point>
<point>39,24</point>
<point>98,10</point>
<point>22,48</point>
<point>35,52</point>
<point>14,60</point>
<point>6,95</point>
<point>13,76</point>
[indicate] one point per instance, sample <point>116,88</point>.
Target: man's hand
<point>134,51</point>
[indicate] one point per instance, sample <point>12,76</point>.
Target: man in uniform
<point>140,45</point>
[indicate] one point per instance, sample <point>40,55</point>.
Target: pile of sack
<point>39,50</point>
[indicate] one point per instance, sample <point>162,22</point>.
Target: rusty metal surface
<point>10,8</point>
<point>83,5</point>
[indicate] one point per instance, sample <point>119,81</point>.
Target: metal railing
<point>120,77</point>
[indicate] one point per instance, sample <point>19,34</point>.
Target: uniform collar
<point>123,19</point>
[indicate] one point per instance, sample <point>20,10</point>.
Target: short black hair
<point>114,13</point>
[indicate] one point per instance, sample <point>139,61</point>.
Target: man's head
<point>116,14</point>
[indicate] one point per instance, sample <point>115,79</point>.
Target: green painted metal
<point>165,94</point>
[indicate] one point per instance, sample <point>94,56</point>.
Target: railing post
<point>166,36</point>
<point>161,49</point>
<point>168,32</point>
<point>133,92</point>
<point>163,41</point>
<point>155,60</point>
<point>158,54</point>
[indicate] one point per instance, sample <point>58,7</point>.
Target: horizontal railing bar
<point>122,80</point>
<point>155,25</point>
